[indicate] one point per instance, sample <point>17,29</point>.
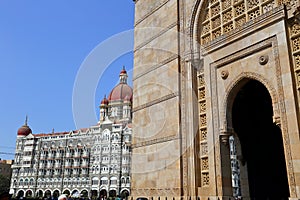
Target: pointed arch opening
<point>259,150</point>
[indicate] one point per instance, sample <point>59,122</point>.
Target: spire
<point>26,120</point>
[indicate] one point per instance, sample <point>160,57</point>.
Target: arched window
<point>128,180</point>
<point>123,180</point>
<point>95,181</point>
<point>104,181</point>
<point>26,181</point>
<point>113,181</point>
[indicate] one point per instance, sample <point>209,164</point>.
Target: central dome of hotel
<point>122,91</point>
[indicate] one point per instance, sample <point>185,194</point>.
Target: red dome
<point>104,101</point>
<point>121,91</point>
<point>24,130</point>
<point>123,71</point>
<point>127,98</point>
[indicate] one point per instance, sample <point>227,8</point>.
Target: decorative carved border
<point>243,53</point>
<point>155,141</point>
<point>227,101</point>
<point>284,127</point>
<point>276,97</point>
<point>156,192</point>
<point>164,30</point>
<point>153,10</point>
<point>236,56</point>
<point>156,101</point>
<point>164,62</point>
<point>182,87</point>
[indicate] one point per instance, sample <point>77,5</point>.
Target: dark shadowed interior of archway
<point>261,142</point>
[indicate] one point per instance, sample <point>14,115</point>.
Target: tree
<point>4,184</point>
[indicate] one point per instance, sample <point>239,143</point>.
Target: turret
<point>103,109</point>
<point>24,130</point>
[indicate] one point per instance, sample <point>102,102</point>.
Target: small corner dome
<point>123,71</point>
<point>24,130</point>
<point>104,101</point>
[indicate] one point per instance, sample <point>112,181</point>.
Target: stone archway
<point>261,152</point>
<point>112,193</point>
<point>124,194</point>
<point>67,192</point>
<point>28,194</point>
<point>39,193</point>
<point>47,194</point>
<point>56,194</point>
<point>20,193</point>
<point>103,193</point>
<point>94,194</point>
<point>84,193</point>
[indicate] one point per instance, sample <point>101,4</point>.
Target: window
<point>104,181</point>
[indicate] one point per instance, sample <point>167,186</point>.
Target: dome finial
<point>26,120</point>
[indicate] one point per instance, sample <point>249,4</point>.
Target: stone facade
<point>91,163</point>
<point>194,63</point>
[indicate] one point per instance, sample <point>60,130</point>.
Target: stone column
<point>225,173</point>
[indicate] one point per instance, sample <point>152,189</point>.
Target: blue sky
<point>42,46</point>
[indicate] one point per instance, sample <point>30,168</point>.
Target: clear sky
<point>43,44</point>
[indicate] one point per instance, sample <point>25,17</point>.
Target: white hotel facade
<point>92,162</point>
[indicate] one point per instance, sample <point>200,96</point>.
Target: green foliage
<point>4,184</point>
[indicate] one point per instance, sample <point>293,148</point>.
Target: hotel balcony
<point>58,155</point>
<point>49,165</point>
<point>68,155</point>
<point>76,163</point>
<point>76,155</point>
<point>57,173</point>
<point>57,165</point>
<point>84,165</point>
<point>42,165</point>
<point>43,157</point>
<point>85,154</point>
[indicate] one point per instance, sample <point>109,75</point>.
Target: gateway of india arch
<point>216,100</point>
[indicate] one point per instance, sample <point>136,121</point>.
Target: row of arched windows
<point>70,181</point>
<point>106,136</point>
<point>24,182</point>
<point>125,180</point>
<point>105,181</point>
